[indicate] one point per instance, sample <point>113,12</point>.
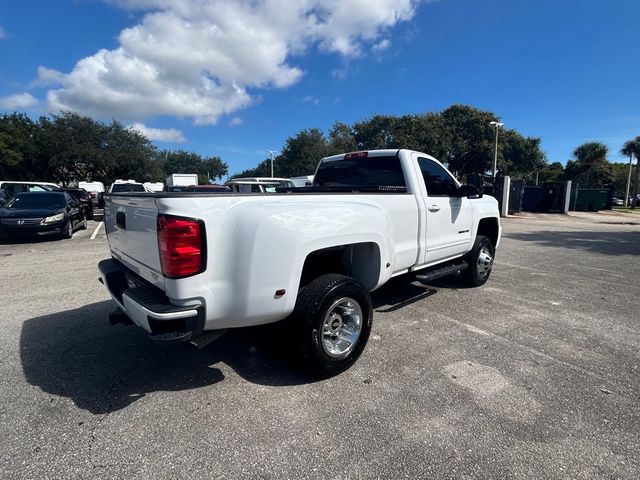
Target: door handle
<point>434,208</point>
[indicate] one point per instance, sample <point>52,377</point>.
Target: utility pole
<point>626,195</point>
<point>271,152</point>
<point>495,153</point>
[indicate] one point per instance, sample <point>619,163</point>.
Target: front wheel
<point>68,231</point>
<point>480,260</point>
<point>331,323</point>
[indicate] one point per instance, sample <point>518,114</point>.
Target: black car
<point>82,196</point>
<point>37,214</point>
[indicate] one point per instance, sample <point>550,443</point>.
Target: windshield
<point>37,200</point>
<point>127,187</point>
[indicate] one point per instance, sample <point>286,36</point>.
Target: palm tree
<point>589,154</point>
<point>631,148</point>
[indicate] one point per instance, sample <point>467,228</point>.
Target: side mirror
<point>475,186</point>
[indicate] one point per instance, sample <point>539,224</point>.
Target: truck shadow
<point>104,368</point>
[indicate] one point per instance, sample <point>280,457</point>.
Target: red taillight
<point>181,243</point>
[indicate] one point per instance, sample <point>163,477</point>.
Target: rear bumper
<point>148,307</point>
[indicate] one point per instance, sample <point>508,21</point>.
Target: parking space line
<point>95,232</point>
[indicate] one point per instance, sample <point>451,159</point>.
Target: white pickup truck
<point>184,264</point>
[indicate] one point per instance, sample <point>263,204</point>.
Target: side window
<point>437,180</point>
<point>36,188</point>
<point>255,189</point>
<point>14,188</point>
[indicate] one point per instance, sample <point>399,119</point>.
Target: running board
<point>441,272</point>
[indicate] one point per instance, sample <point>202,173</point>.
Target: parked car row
<point>618,201</point>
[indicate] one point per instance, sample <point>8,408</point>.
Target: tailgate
<point>131,227</point>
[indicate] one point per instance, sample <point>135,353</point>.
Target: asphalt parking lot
<point>534,375</point>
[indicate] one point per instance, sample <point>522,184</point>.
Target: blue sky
<point>566,71</point>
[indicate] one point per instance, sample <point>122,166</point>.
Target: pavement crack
<point>111,406</point>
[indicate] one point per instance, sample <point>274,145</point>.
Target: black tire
<point>311,311</point>
<point>477,275</point>
<point>83,225</point>
<point>68,231</point>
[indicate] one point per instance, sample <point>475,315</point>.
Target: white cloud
<point>3,33</point>
<point>235,122</point>
<point>381,46</point>
<point>201,59</point>
<point>47,77</point>
<point>18,101</point>
<point>172,135</point>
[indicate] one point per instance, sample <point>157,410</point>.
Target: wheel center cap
<point>336,323</point>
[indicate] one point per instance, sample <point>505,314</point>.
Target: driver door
<point>448,215</point>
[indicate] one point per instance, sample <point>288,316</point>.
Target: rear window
<point>127,187</point>
<point>361,172</point>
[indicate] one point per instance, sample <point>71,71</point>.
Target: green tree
<point>521,156</point>
<point>460,136</point>
<point>301,154</point>
<point>127,154</point>
<point>590,164</point>
<point>551,173</point>
<point>631,148</point>
<point>71,145</point>
<point>182,161</point>
<point>341,139</point>
<point>262,170</point>
<point>17,147</point>
<point>470,139</point>
<point>378,132</point>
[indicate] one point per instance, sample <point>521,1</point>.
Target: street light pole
<point>271,152</point>
<point>495,153</point>
<point>626,195</point>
